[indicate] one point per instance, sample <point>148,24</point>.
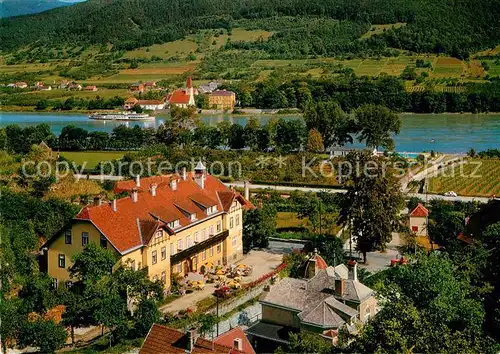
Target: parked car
<point>451,194</point>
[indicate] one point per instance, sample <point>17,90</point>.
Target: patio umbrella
<point>209,264</point>
<point>241,266</point>
<point>220,272</point>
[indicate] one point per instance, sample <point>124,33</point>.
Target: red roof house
<point>129,223</point>
<point>236,339</point>
<point>183,97</point>
<point>163,340</point>
<point>420,211</point>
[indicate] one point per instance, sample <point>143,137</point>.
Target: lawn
<point>477,177</point>
<point>92,158</point>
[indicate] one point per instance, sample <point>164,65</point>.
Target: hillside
<point>9,8</point>
<point>302,28</point>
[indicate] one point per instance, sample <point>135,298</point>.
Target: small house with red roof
<point>418,221</point>
<point>162,340</point>
<point>169,224</point>
<point>91,88</point>
<point>327,299</point>
<point>183,98</point>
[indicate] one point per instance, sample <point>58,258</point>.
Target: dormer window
<point>158,234</point>
<point>211,210</point>
<point>192,217</point>
<point>174,224</point>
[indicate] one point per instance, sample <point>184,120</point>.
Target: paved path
<point>262,262</point>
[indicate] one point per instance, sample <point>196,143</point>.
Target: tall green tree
<point>258,225</point>
<point>334,125</point>
<point>372,202</point>
<point>376,124</point>
<point>92,263</point>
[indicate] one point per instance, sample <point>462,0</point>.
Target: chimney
<point>135,195</point>
<point>98,200</point>
<point>247,191</point>
<point>113,205</point>
<point>137,181</point>
<point>184,174</point>
<point>200,174</point>
<point>339,287</point>
<point>173,184</point>
<point>192,336</point>
<point>352,270</point>
<point>238,344</point>
<point>153,189</point>
<point>311,265</point>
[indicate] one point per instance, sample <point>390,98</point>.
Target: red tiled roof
<point>131,100</point>
<point>420,211</point>
<point>149,102</point>
<point>133,223</point>
<point>320,262</point>
<point>179,97</point>
<point>163,340</point>
<point>222,93</point>
<point>467,239</point>
<point>228,338</point>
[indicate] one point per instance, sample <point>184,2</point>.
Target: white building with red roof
<point>171,224</point>
<point>418,222</point>
<point>183,98</point>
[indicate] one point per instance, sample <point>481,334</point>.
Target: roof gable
<point>419,211</point>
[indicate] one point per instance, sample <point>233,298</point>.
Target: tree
<point>258,225</point>
<point>42,105</point>
<point>305,342</point>
<point>146,314</point>
<point>290,135</point>
<point>236,140</point>
<point>372,203</point>
<point>44,334</point>
<point>202,101</point>
<point>11,320</point>
<point>331,121</point>
<point>179,128</point>
<point>92,263</point>
<point>137,108</point>
<point>315,141</point>
<point>376,124</point>
<point>251,133</point>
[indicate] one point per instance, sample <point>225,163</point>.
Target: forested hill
<point>457,27</point>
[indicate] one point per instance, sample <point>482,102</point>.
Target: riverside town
<point>249,177</point>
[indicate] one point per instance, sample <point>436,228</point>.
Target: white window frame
<point>172,249</point>
<point>154,257</point>
<point>163,253</point>
<point>219,226</point>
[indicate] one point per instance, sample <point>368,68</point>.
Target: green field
<point>92,158</point>
<point>478,177</point>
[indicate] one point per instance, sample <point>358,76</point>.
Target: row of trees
<point>326,124</point>
<point>352,92</point>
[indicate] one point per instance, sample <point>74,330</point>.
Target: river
<point>448,133</point>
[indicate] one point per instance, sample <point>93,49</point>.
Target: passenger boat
<point>125,116</point>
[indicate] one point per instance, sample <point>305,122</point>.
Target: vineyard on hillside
<point>476,177</point>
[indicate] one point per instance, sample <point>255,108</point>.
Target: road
<point>315,189</point>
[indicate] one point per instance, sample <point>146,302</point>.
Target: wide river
<point>449,133</point>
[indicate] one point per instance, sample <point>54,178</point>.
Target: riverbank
<point>446,133</point>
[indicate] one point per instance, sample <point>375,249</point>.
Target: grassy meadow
<point>91,158</point>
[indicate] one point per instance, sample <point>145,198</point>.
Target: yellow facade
<point>156,256</point>
<point>225,102</point>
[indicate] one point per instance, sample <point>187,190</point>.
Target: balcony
<point>198,247</point>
